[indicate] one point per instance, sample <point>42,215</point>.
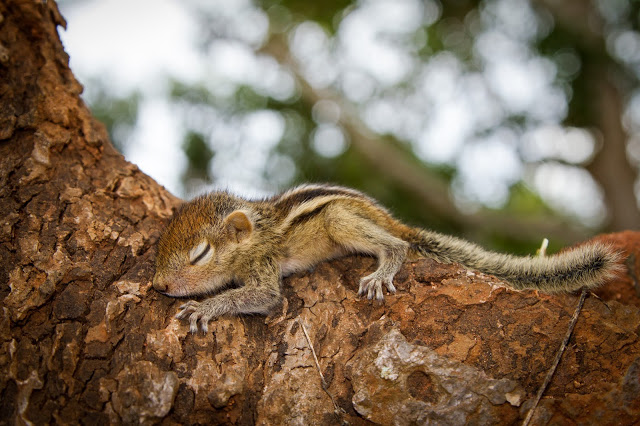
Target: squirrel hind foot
<point>371,286</point>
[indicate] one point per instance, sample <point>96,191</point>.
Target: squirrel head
<point>198,247</point>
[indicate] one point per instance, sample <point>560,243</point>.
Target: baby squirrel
<point>219,238</point>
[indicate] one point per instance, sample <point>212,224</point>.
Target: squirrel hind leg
<point>356,234</point>
<point>390,260</point>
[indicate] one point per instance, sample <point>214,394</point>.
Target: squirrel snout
<point>159,285</point>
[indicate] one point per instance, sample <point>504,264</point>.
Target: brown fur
<point>219,238</point>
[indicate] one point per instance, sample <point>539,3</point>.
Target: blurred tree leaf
<point>199,157</point>
<point>568,43</point>
<point>324,13</point>
<point>118,114</point>
<point>198,153</point>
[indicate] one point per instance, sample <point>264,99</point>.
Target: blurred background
<point>502,121</point>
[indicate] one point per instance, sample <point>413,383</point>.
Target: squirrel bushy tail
<point>587,266</point>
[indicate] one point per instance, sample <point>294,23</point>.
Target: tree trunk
<point>610,167</point>
<point>86,340</point>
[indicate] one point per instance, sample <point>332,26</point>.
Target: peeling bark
<point>86,340</point>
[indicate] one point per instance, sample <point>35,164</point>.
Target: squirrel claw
<point>187,308</point>
<point>193,323</point>
<point>372,286</point>
<point>195,311</point>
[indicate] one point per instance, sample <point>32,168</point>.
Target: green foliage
<point>118,114</point>
<point>456,31</point>
<point>524,202</point>
<point>325,12</point>
<point>197,94</point>
<point>199,154</point>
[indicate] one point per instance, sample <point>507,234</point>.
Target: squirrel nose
<point>159,285</point>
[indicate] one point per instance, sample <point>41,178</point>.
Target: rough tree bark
<point>84,338</point>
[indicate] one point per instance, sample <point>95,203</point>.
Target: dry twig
<point>556,361</point>
<point>336,409</point>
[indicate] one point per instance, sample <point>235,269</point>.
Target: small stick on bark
<point>337,410</point>
<point>556,361</point>
<point>313,352</point>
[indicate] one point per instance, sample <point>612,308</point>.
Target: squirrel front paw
<point>196,310</point>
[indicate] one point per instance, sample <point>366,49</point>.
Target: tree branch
<point>85,339</point>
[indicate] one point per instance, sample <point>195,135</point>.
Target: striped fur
<point>218,238</point>
<point>587,266</point>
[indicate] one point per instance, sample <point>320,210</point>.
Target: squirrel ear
<point>239,225</point>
